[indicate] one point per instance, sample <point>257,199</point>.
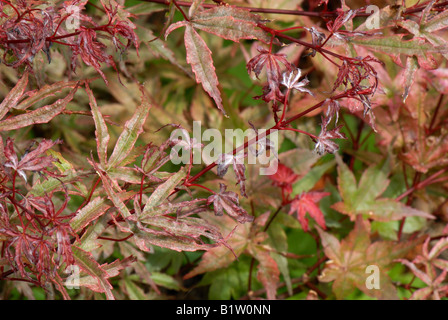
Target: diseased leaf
<point>270,61</point>
<point>159,48</point>
<point>125,174</point>
<point>437,23</point>
<point>89,240</point>
<point>199,57</point>
<point>91,51</point>
<point>146,237</point>
<point>324,143</point>
<point>34,160</point>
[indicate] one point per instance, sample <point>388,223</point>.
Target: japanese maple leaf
<point>34,160</point>
<point>262,145</point>
<point>324,143</point>
<point>423,152</point>
<point>36,28</point>
<point>270,61</point>
<point>284,177</point>
<point>430,260</point>
<point>291,81</point>
<point>121,25</point>
<point>92,51</point>
<point>349,259</point>
<point>307,202</point>
<point>245,238</point>
<point>227,22</point>
<point>228,201</point>
<point>237,161</point>
<point>364,197</point>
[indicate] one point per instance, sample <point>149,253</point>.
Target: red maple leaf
<point>284,177</point>
<point>270,61</point>
<point>307,202</point>
<point>228,201</point>
<point>34,160</point>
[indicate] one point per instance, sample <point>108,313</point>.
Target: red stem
<point>181,11</point>
<point>434,116</point>
<point>323,14</point>
<point>422,184</point>
<point>266,133</point>
<point>15,9</point>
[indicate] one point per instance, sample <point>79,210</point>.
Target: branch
<point>322,14</point>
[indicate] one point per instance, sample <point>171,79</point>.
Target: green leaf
<point>89,240</point>
<point>89,213</point>
<point>70,175</point>
<point>132,129</point>
<point>350,258</point>
<point>165,280</point>
<point>394,46</point>
<point>162,192</point>
<point>362,198</point>
<point>279,241</point>
<point>87,263</point>
<point>111,194</point>
<point>101,132</point>
<point>225,284</point>
<point>134,291</point>
<point>307,182</point>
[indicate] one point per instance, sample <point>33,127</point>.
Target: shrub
<point>341,108</point>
